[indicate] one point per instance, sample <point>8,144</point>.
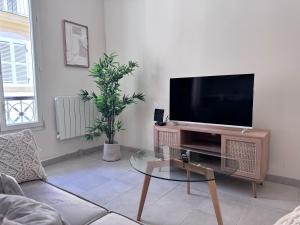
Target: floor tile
<point>259,215</point>
<point>106,192</point>
<point>278,196</point>
<point>164,213</point>
<point>197,217</point>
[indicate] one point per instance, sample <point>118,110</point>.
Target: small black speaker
<point>159,115</point>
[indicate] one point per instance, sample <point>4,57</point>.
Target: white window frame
<point>35,46</point>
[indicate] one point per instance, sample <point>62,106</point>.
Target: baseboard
<point>78,153</point>
<point>129,149</point>
<point>283,180</point>
<point>81,152</point>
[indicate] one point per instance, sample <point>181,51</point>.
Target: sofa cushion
<point>9,185</point>
<point>292,218</point>
<point>19,210</point>
<point>73,209</point>
<point>19,157</point>
<point>114,219</point>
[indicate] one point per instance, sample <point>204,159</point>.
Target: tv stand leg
<point>254,189</point>
<point>188,174</point>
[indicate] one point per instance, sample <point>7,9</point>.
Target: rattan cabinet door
<point>167,137</point>
<point>247,151</point>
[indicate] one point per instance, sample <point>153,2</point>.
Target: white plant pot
<point>111,152</point>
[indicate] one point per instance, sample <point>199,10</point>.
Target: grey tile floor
<point>117,187</point>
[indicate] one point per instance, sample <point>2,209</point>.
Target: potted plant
<point>109,102</point>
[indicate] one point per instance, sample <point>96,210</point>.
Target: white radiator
<point>73,116</point>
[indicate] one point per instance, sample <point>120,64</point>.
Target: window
<point>18,92</point>
<point>14,62</point>
<point>19,7</point>
<point>11,6</point>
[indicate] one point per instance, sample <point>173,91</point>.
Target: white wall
<point>174,38</point>
<point>57,79</point>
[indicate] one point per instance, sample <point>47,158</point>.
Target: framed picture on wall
<point>76,44</point>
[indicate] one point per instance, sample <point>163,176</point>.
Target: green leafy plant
<point>109,101</point>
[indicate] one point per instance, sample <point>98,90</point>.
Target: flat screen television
<point>224,100</point>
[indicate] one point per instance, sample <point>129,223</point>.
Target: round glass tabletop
<point>182,164</point>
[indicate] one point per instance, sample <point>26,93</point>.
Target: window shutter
<point>21,74</point>
<point>5,51</point>
<point>12,6</point>
<point>21,66</point>
<point>6,66</point>
<point>1,5</point>
<point>7,73</point>
<point>20,53</point>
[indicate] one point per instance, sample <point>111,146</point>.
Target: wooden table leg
<point>254,189</point>
<point>214,197</point>
<point>188,173</point>
<point>143,196</point>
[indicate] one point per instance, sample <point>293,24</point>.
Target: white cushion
<point>19,210</point>
<point>114,219</point>
<point>9,185</point>
<point>292,218</point>
<point>19,157</point>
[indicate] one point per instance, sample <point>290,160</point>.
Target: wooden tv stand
<point>250,148</point>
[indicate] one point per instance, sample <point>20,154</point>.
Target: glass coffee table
<point>183,165</point>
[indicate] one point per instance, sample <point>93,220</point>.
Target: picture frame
<point>76,44</point>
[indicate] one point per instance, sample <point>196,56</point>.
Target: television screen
<point>225,100</point>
